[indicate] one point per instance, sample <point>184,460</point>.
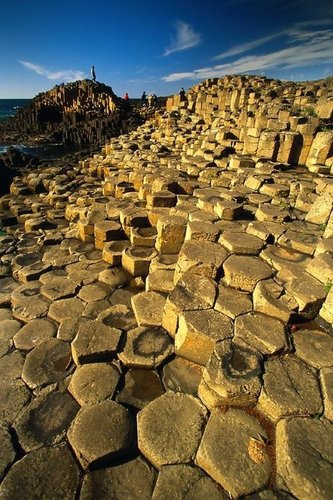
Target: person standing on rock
<point>93,74</point>
<point>143,98</point>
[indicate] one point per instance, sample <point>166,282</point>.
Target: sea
<point>8,108</point>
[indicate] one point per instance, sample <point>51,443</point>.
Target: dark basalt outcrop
<point>81,112</point>
<point>11,164</point>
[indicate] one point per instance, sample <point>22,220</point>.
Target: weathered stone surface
<point>7,452</point>
<point>148,308</point>
<point>7,286</point>
<point>304,456</point>
<point>185,481</point>
<point>118,316</point>
<point>233,451</point>
<point>27,302</point>
<point>200,257</point>
<point>170,429</point>
<point>197,333</point>
<point>114,277</point>
<point>271,299</point>
<point>49,472</point>
<point>132,480</point>
<point>326,379</point>
<point>136,260</point>
<point>146,347</point>
<point>232,302</point>
<point>46,363</point>
<point>308,292</point>
<point>94,292</point>
<point>8,328</point>
<point>262,332</point>
<point>140,388</point>
<point>59,287</point>
<point>65,309</point>
<point>181,375</point>
<point>320,210</point>
<point>290,387</point>
<point>46,420</point>
<point>193,292</point>
<point>314,347</point>
<point>231,376</point>
<point>170,234</point>
<point>101,431</point>
<point>94,382</point>
<point>33,271</point>
<point>33,333</point>
<point>241,243</point>
<point>244,272</point>
<point>95,341</point>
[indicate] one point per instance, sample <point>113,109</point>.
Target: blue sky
<point>162,45</point>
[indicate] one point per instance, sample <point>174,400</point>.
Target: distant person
<point>93,74</point>
<point>155,100</point>
<point>182,93</point>
<point>143,98</point>
<point>126,99</point>
<point>150,101</point>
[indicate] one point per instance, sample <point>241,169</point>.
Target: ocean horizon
<point>8,108</point>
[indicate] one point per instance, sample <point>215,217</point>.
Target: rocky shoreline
<point>167,307</point>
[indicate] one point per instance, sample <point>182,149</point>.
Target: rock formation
<point>81,112</point>
<point>167,307</point>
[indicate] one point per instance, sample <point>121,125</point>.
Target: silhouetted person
<point>182,93</point>
<point>143,98</point>
<point>93,74</point>
<point>126,97</point>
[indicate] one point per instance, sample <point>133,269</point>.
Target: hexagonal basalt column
<point>101,431</point>
<point>170,233</point>
<point>231,376</point>
<point>113,250</point>
<point>143,236</point>
<point>170,429</point>
<point>233,452</point>
<point>136,260</point>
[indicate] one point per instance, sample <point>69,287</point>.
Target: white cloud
<point>66,75</point>
<point>304,49</point>
<point>245,47</point>
<point>185,38</point>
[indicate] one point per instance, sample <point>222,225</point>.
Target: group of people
<point>151,99</point>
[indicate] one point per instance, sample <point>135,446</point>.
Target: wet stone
<point>140,388</point>
<point>290,387</point>
<point>304,456</point>
<point>8,328</point>
<point>33,333</point>
<point>94,342</point>
<point>146,347</point>
<point>233,452</point>
<point>262,332</point>
<point>101,431</point>
<point>47,472</point>
<point>231,376</point>
<point>132,480</point>
<point>170,429</point>
<point>46,420</point>
<point>94,382</point>
<point>181,375</point>
<point>65,309</point>
<point>47,363</point>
